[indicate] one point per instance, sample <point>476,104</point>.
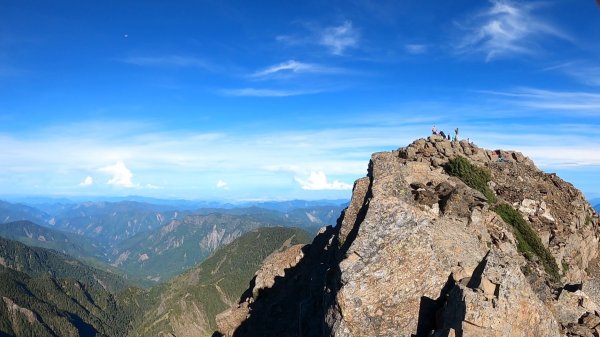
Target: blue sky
<point>235,100</point>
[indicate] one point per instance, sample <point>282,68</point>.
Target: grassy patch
<point>475,177</point>
<point>529,242</point>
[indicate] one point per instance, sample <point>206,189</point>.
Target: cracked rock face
<point>419,253</point>
<point>407,254</point>
<point>496,301</point>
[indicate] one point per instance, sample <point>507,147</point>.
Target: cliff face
<point>419,253</point>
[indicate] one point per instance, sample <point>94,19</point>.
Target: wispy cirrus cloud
<point>337,38</point>
<point>506,29</point>
<point>587,103</point>
<point>256,92</point>
<point>323,161</point>
<point>292,78</point>
<point>295,67</point>
<point>583,71</point>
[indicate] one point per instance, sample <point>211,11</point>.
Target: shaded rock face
<point>419,253</point>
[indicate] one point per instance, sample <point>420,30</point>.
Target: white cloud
<point>584,72</point>
<point>254,92</point>
<point>339,38</point>
<point>121,175</point>
<point>190,163</point>
<point>88,181</point>
<point>222,185</point>
<point>506,29</point>
<point>415,49</point>
<point>559,156</point>
<point>293,66</point>
<point>317,180</point>
<point>587,103</point>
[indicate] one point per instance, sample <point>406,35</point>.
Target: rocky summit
<point>441,238</point>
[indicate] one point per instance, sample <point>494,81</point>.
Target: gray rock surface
<point>419,253</point>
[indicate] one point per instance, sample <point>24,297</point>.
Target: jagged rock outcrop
<point>419,253</point>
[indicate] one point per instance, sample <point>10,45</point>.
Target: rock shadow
<point>429,309</point>
<point>293,306</point>
<point>298,303</point>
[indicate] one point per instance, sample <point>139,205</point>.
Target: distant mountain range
<point>50,204</point>
<point>151,242</point>
<point>596,203</point>
<point>109,223</point>
<point>170,250</point>
<point>47,293</point>
<point>14,212</point>
<point>167,251</point>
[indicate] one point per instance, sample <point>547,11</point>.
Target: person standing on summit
<point>434,130</point>
<point>456,135</point>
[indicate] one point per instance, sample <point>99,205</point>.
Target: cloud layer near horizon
<point>311,159</point>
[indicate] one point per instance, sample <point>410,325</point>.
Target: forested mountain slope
<point>46,293</point>
<point>188,304</point>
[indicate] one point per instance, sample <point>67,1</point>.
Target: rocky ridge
<point>419,253</point>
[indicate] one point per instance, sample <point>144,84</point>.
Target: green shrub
<point>529,242</point>
<point>475,177</point>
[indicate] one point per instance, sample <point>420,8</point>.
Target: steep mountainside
<point>317,216</point>
<point>15,212</point>
<point>181,244</point>
<point>109,223</point>
<point>38,236</point>
<point>36,262</point>
<point>45,306</point>
<point>45,293</point>
<point>187,305</point>
<point>440,239</point>
<point>309,218</point>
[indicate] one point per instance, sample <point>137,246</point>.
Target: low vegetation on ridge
<point>529,243</point>
<point>475,177</point>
